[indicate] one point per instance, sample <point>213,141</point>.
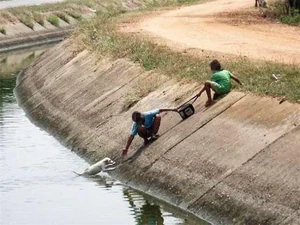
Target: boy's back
<point>223,78</point>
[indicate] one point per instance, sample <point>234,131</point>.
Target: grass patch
<point>281,11</point>
<point>63,16</point>
<point>53,20</point>
<point>291,20</point>
<point>2,30</point>
<point>27,21</point>
<point>76,6</point>
<point>7,17</point>
<point>39,18</point>
<point>101,35</point>
<point>75,15</point>
<point>141,89</point>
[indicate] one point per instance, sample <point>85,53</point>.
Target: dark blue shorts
<point>150,131</point>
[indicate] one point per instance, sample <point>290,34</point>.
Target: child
<point>220,82</point>
<point>146,125</point>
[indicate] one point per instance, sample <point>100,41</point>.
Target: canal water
<point>37,185</point>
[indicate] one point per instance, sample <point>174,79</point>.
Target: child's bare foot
<point>146,141</point>
<point>124,152</point>
<point>209,103</point>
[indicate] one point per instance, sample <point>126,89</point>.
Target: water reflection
<point>146,213</point>
<point>12,63</point>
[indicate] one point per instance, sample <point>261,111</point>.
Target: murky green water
<point>37,186</point>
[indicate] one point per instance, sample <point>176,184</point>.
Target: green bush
<point>63,16</point>
<point>282,11</point>
<point>53,20</point>
<point>2,30</point>
<point>291,20</point>
<point>75,15</point>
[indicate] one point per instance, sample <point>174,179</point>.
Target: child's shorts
<point>218,88</point>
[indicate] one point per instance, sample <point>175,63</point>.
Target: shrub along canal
<point>37,184</point>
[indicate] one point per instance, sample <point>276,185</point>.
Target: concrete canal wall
<point>19,36</point>
<point>237,162</point>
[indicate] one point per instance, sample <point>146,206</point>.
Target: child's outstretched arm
<point>236,79</point>
<point>166,110</point>
<point>201,91</point>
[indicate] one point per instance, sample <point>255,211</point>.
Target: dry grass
<point>142,88</point>
<point>101,35</point>
<point>74,14</point>
<point>281,11</point>
<point>6,17</point>
<point>27,14</point>
<point>63,16</point>
<point>2,30</point>
<point>39,18</point>
<point>26,20</point>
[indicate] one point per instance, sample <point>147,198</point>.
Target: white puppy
<point>103,165</point>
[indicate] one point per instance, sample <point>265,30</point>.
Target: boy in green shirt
<point>220,82</point>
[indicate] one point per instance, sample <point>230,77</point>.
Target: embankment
<point>19,36</point>
<point>236,162</point>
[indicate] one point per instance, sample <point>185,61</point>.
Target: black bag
<point>187,109</point>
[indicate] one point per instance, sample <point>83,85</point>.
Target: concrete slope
<point>19,36</point>
<point>269,180</point>
<point>236,162</point>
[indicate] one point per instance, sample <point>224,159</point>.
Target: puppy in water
<point>104,165</point>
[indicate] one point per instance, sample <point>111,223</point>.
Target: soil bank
<point>232,27</point>
<point>236,162</point>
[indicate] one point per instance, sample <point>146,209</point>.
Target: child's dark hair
<point>136,116</point>
<point>215,65</point>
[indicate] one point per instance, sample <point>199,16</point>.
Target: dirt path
<point>224,26</point>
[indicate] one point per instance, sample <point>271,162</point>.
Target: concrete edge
<point>36,39</point>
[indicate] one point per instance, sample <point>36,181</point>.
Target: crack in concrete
<point>295,212</point>
<point>204,124</point>
<point>232,171</point>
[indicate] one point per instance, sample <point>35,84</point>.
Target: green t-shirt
<point>223,78</point>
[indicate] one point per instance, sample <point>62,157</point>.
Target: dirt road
<point>224,26</point>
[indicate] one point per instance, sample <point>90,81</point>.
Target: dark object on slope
<point>187,109</point>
